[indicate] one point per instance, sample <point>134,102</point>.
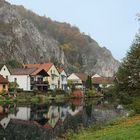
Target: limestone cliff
<point>29,38</point>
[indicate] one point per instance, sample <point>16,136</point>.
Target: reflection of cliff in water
<point>44,122</point>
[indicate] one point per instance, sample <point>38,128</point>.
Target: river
<point>47,121</point>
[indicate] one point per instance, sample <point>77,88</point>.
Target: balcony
<point>40,83</point>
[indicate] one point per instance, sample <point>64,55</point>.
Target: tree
<point>128,75</point>
<point>14,64</point>
<point>89,82</point>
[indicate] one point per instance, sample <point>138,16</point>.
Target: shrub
<point>136,105</point>
<point>125,98</point>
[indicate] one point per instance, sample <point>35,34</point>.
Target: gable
<point>53,70</point>
<point>73,77</point>
<point>96,75</point>
<point>45,66</point>
<point>63,73</point>
<point>4,70</point>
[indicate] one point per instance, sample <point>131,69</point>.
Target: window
<point>7,77</point>
<point>62,77</point>
<point>4,86</point>
<point>4,69</point>
<point>51,71</point>
<point>52,77</point>
<point>15,79</point>
<point>40,79</point>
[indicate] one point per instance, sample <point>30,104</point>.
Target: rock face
<point>22,39</point>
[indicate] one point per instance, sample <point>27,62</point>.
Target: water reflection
<point>45,121</point>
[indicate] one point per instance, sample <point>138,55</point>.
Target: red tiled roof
<point>82,76</point>
<point>102,80</point>
<point>3,80</point>
<point>45,66</point>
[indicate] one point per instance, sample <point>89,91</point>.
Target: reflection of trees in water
<point>66,116</point>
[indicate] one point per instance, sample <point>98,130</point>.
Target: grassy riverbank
<point>123,129</point>
<point>31,99</point>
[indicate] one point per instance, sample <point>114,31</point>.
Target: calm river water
<point>46,121</point>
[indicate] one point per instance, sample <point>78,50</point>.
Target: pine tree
<point>129,72</point>
<point>89,82</point>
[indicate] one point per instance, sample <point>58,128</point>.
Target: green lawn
<point>126,129</point>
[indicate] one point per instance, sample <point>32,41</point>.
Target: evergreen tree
<point>128,75</point>
<point>89,82</point>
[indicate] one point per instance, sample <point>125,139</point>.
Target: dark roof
<point>102,80</point>
<point>3,80</point>
<point>22,71</point>
<point>28,71</point>
<point>82,76</point>
<point>40,71</point>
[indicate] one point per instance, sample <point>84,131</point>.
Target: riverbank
<point>31,99</point>
<point>123,129</point>
<point>40,98</point>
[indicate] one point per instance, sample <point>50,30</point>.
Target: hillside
<point>29,38</point>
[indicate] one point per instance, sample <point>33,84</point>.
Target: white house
<point>4,71</point>
<point>78,79</point>
<point>29,78</point>
<point>62,79</point>
<point>96,75</point>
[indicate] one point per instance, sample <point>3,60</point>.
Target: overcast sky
<point>112,23</point>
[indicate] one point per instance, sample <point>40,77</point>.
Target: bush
<point>89,93</point>
<point>110,92</point>
<point>136,105</point>
<point>125,98</point>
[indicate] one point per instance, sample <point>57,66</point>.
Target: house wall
<point>22,80</point>
<point>53,82</point>
<point>1,88</point>
<point>95,75</point>
<point>76,80</point>
<point>5,72</point>
<point>63,80</point>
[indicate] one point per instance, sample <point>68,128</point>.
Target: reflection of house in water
<point>75,111</point>
<point>4,119</point>
<point>63,113</point>
<point>53,115</point>
<point>37,113</point>
<point>23,113</point>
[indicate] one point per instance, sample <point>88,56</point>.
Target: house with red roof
<point>4,84</point>
<point>100,81</point>
<point>29,78</point>
<point>53,78</point>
